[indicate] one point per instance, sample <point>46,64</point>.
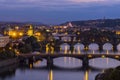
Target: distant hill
<point>96,23</point>
<point>21,23</point>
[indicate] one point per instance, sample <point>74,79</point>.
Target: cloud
<point>54,3</point>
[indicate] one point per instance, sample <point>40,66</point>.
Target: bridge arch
<point>103,56</point>
<point>64,46</point>
<point>93,46</point>
<point>79,47</point>
<point>107,46</point>
<point>67,57</point>
<point>118,47</point>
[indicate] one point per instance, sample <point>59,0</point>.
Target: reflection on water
<point>86,75</point>
<point>50,75</point>
<point>7,72</point>
<point>107,58</point>
<point>31,66</point>
<point>65,68</point>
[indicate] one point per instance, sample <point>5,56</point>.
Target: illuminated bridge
<point>50,57</point>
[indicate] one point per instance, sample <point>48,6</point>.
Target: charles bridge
<point>30,58</point>
<point>72,41</point>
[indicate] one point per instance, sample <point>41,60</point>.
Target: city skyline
<point>55,12</point>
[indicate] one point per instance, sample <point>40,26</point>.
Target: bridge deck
<point>80,56</point>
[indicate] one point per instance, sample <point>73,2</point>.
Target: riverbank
<point>109,74</point>
<point>8,62</point>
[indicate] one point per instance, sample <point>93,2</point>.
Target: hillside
<point>96,23</point>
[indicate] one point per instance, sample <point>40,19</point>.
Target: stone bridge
<point>50,57</point>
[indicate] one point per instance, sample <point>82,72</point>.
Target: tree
<point>109,74</point>
<point>27,48</point>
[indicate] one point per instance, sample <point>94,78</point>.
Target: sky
<point>57,11</point>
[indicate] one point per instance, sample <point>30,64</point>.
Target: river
<point>65,68</point>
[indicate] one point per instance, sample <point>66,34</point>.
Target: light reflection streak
<point>50,75</point>
<point>78,48</point>
<point>86,75</point>
<point>31,66</point>
<point>47,48</point>
<point>107,58</point>
<point>65,52</point>
<point>66,48</point>
<point>93,61</point>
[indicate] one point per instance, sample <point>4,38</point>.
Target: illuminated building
<point>16,27</point>
<point>4,40</point>
<point>30,31</point>
<point>118,32</point>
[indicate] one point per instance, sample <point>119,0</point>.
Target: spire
<point>70,24</point>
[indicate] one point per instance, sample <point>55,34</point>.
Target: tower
<point>70,24</point>
<point>30,31</point>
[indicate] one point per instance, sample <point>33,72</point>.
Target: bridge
<point>72,40</point>
<point>50,57</point>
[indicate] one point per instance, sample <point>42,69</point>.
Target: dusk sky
<point>57,11</point>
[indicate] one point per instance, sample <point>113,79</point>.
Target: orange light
<point>89,56</point>
<point>50,75</point>
<point>14,34</point>
<point>21,34</point>
<point>103,56</point>
<point>31,66</point>
<point>10,48</point>
<point>78,33</point>
<point>38,34</point>
<point>117,57</point>
<point>86,75</point>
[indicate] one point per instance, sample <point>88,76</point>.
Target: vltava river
<point>65,68</point>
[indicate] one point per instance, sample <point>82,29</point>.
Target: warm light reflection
<point>31,66</point>
<point>117,57</point>
<point>103,56</point>
<point>65,52</point>
<point>52,50</point>
<point>74,51</point>
<point>86,75</point>
<point>66,48</point>
<point>78,48</point>
<point>89,56</point>
<point>47,49</point>
<point>50,76</point>
<point>107,58</point>
<point>107,52</point>
<point>93,61</point>
<point>86,48</point>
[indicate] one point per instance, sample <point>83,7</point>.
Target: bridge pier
<point>60,38</point>
<point>71,48</point>
<point>114,47</point>
<point>100,47</point>
<point>49,62</point>
<point>85,62</point>
<point>86,48</point>
<point>57,48</point>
